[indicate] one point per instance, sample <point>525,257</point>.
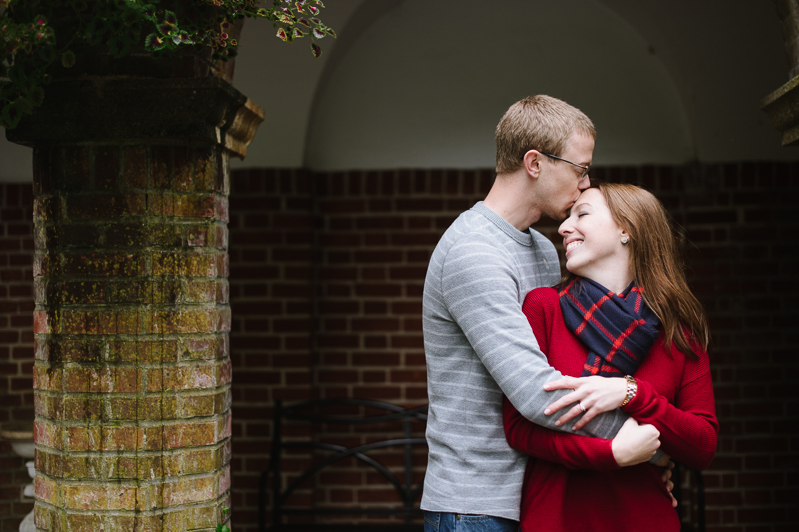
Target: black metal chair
<point>697,522</point>
<point>313,412</point>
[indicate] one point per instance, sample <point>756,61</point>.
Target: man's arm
<point>633,444</point>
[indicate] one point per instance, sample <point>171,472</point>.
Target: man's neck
<point>512,198</point>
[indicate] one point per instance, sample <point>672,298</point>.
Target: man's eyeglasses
<point>584,169</point>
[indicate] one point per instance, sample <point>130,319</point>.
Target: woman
<point>625,321</point>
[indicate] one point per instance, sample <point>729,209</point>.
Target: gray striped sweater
<point>479,345</point>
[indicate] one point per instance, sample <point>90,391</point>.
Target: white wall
<point>15,162</point>
<point>724,56</point>
<point>427,91</point>
<point>422,83</point>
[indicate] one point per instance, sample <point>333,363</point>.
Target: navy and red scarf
<point>617,329</point>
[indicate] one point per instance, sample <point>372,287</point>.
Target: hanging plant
<point>36,34</point>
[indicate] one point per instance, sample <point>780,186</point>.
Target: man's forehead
<point>581,141</point>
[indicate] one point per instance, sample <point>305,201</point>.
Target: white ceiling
<point>415,83</point>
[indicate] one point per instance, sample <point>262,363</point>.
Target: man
<point>478,343</point>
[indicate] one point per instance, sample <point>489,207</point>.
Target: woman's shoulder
<point>543,298</point>
<point>696,362</point>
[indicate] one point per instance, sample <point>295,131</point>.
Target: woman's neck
<point>614,279</point>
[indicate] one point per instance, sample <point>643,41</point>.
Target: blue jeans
<point>444,522</point>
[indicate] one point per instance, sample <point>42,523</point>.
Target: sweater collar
<point>524,238</point>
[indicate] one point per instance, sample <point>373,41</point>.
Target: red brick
<point>374,324</point>
<point>378,290</point>
<point>103,264</point>
<point>407,341</point>
<point>106,167</point>
<point>386,257</point>
<point>105,205</point>
<point>134,174</point>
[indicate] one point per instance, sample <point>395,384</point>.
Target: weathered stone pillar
<point>132,374</point>
<point>782,105</point>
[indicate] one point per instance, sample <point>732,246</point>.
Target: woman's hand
<point>595,394</point>
<point>635,444</point>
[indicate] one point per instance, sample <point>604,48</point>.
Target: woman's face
<point>593,242</point>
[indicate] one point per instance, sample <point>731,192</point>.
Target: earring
<point>624,239</point>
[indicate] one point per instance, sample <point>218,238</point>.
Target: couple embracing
<point>557,403</point>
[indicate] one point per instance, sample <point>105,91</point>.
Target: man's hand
<point>635,443</point>
<point>664,461</point>
<point>595,394</point>
<point>666,477</point>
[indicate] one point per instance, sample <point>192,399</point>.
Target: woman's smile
<point>573,244</point>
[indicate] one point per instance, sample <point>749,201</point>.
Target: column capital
<point>782,107</point>
<point>107,109</point>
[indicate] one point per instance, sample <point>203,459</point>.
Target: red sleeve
<point>688,428</point>
<point>570,450</point>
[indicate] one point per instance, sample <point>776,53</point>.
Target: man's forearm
<point>605,425</point>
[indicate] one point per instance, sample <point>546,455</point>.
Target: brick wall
<point>16,343</point>
<point>270,291</point>
<point>741,220</point>
<point>325,287</point>
<point>327,273</point>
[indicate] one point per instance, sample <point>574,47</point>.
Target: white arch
<point>426,83</point>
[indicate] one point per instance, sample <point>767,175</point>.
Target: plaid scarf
<point>617,329</point>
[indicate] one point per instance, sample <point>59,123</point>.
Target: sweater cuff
<point>604,458</point>
<point>639,401</point>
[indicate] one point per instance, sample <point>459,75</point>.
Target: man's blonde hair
<point>540,123</point>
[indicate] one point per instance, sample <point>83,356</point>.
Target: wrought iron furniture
<point>313,413</point>
<point>695,494</point>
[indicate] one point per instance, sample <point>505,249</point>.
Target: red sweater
<point>572,482</point>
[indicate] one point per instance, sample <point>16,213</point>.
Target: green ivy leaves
<point>220,527</point>
<point>26,49</point>
<point>30,47</point>
<point>68,59</point>
<point>12,114</point>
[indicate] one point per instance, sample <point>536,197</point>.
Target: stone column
<point>132,374</point>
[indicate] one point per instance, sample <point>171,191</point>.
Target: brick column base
<point>132,374</point>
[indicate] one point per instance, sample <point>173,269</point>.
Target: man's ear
<point>532,163</point>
